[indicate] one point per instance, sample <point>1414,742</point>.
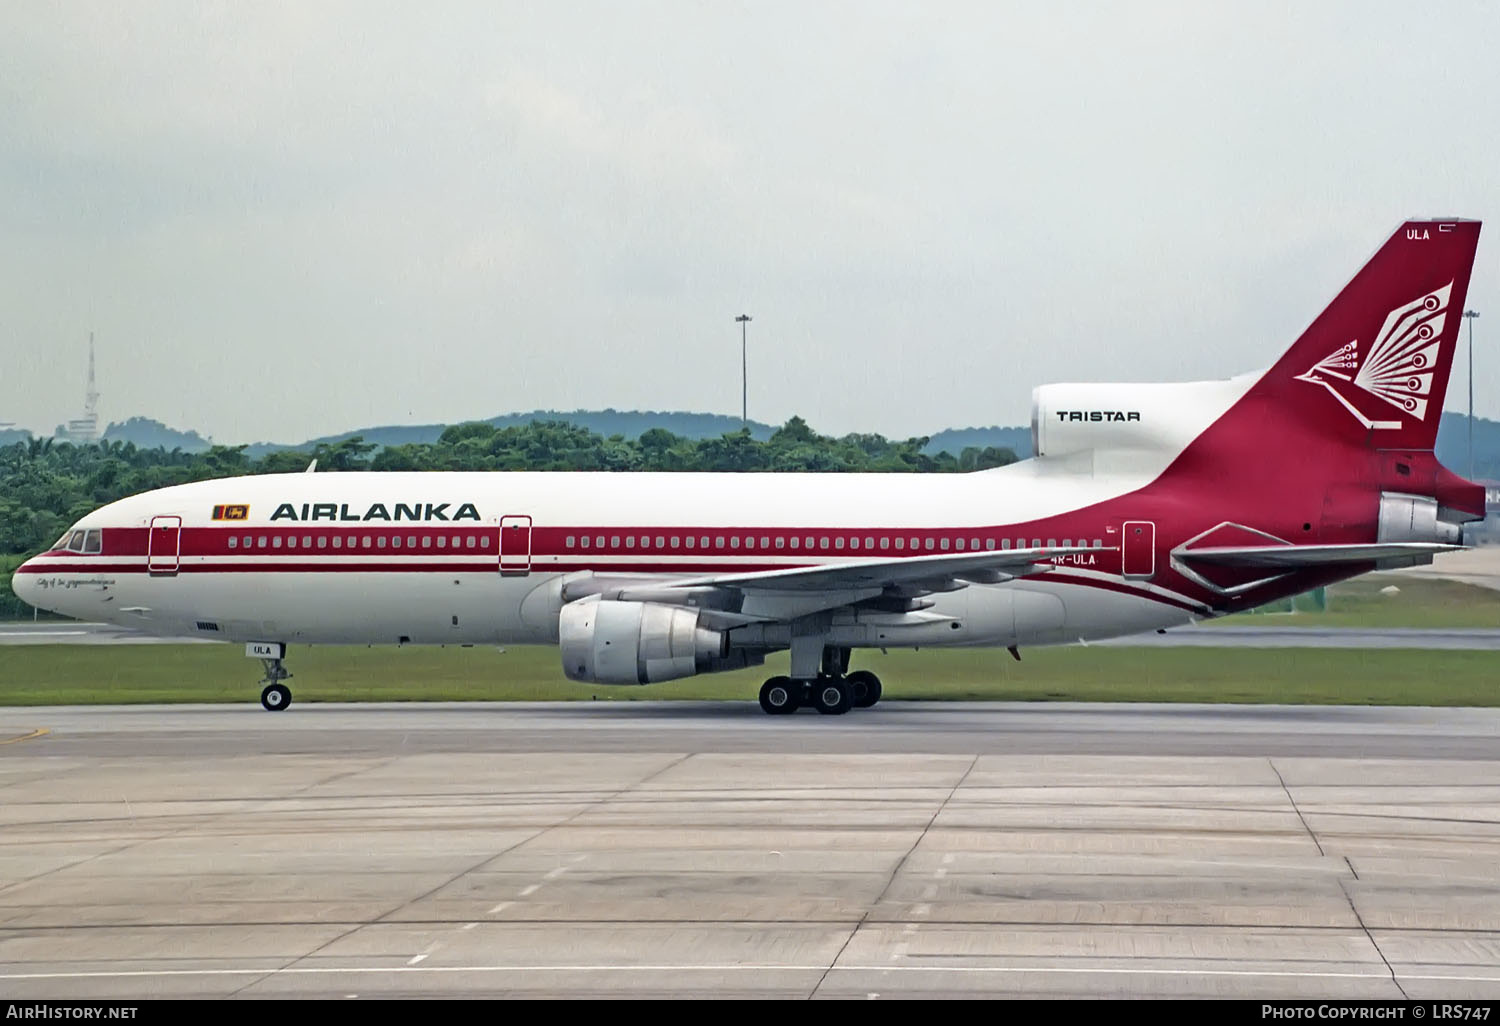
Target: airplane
<point>1143,507</point>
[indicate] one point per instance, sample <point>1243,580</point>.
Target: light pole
<point>1469,316</point>
<point>743,320</point>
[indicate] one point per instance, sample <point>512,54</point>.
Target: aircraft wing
<point>939,572</point>
<point>764,596</point>
<point>1294,557</point>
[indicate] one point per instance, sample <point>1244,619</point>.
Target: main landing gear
<point>276,695</point>
<point>831,692</point>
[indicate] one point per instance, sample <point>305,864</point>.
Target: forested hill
<point>1452,447</point>
<point>625,423</point>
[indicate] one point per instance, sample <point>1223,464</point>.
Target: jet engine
<point>1067,419</point>
<point>609,641</point>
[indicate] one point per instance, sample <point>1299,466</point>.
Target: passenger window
<point>661,542</point>
<point>91,542</point>
<point>1051,543</point>
<point>645,542</point>
<point>234,542</point>
<point>930,544</point>
<point>809,542</point>
<point>959,544</point>
<point>974,544</point>
<point>691,541</point>
<point>323,541</point>
<point>780,542</point>
<point>367,542</point>
<point>583,541</point>
<point>291,541</point>
<point>442,541</point>
<point>307,541</point>
<point>1098,544</point>
<point>570,542</point>
<point>796,542</point>
<point>900,543</point>
<point>338,542</point>
<point>765,542</point>
<point>869,543</point>
<point>719,541</point>
<point>614,541</point>
<point>944,545</point>
<point>471,541</point>
<point>1036,543</point>
<point>1004,543</point>
<point>885,543</point>
<point>411,541</point>
<point>630,541</point>
<point>853,543</point>
<point>260,542</point>
<point>382,541</point>
<point>426,541</point>
<point>734,541</point>
<point>246,542</point>
<point>989,544</point>
<point>676,541</point>
<point>598,541</point>
<point>823,543</point>
<point>915,544</point>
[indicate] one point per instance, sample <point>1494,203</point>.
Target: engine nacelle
<point>1073,418</point>
<point>608,641</point>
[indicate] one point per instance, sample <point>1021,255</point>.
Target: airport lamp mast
<point>1469,316</point>
<point>743,320</point>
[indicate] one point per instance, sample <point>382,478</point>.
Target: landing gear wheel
<point>832,696</point>
<point>276,697</point>
<point>865,687</point>
<point>779,696</point>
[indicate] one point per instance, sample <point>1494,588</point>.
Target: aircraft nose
<point>23,583</point>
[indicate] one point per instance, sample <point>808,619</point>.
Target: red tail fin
<point>1373,368</point>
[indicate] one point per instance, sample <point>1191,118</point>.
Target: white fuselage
<point>355,559</point>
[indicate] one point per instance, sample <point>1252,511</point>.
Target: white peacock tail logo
<point>1400,363</point>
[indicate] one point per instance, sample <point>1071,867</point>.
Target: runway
<point>705,850</point>
<point>1278,635</point>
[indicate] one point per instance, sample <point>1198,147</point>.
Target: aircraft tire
<point>276,697</point>
<point>865,687</point>
<point>778,696</point>
<point>832,696</point>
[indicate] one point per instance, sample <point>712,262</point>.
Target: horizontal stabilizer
<point>1300,556</point>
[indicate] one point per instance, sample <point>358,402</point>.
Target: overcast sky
<point>283,220</point>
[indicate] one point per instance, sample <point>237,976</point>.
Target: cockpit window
<point>93,542</point>
<point>75,543</point>
<point>62,542</point>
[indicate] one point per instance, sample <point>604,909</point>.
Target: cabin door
<point>1138,549</point>
<point>515,545</point>
<point>164,546</point>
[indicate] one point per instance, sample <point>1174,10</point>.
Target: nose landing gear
<point>275,696</point>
